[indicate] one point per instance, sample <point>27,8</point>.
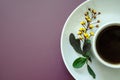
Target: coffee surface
<point>108,44</point>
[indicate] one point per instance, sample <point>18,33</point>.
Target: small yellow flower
<point>91,26</point>
<point>86,35</point>
<point>88,18</point>
<point>94,11</point>
<point>82,22</point>
<point>92,33</point>
<point>82,29</point>
<point>80,32</point>
<point>80,37</point>
<point>86,13</point>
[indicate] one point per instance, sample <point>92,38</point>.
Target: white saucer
<point>110,10</point>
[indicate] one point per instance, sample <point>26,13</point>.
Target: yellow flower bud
<point>91,26</point>
<point>82,29</point>
<point>87,17</point>
<point>82,22</point>
<point>94,11</point>
<point>86,13</point>
<point>80,32</point>
<point>92,33</point>
<point>86,35</point>
<point>89,20</point>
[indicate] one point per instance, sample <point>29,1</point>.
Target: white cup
<point>94,45</point>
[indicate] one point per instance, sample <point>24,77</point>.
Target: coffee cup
<point>106,44</point>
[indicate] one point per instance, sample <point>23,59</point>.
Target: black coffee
<point>108,44</point>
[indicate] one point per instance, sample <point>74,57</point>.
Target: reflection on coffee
<point>108,44</point>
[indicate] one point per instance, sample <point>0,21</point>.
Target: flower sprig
<point>85,32</point>
<point>87,24</point>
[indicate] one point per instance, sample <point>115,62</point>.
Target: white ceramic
<point>94,44</point>
<point>110,10</point>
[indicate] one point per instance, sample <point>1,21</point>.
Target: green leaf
<point>75,43</point>
<point>79,62</point>
<point>91,72</point>
<point>86,46</point>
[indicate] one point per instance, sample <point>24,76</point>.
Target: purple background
<point>30,32</point>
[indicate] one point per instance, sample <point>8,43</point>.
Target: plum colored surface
<point>30,32</point>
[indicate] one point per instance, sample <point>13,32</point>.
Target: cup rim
<point>94,45</point>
